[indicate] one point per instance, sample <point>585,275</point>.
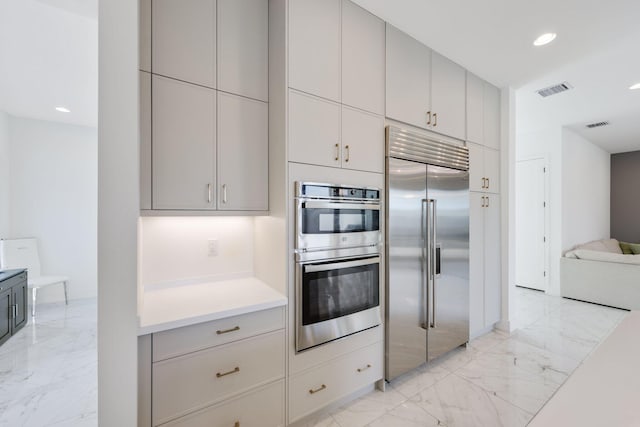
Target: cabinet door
<point>144,37</point>
<point>362,59</point>
<point>243,51</point>
<point>243,153</point>
<point>475,106</point>
<point>145,140</point>
<point>491,107</point>
<point>362,140</point>
<point>476,167</point>
<point>492,264</point>
<point>5,315</point>
<point>19,299</point>
<point>448,97</point>
<point>408,79</point>
<point>183,157</point>
<point>492,170</point>
<point>314,130</point>
<point>314,47</point>
<point>476,263</point>
<point>184,40</point>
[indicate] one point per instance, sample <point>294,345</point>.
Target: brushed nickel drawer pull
<point>226,331</point>
<point>322,387</point>
<point>435,119</point>
<point>219,375</point>
<point>429,117</point>
<point>365,368</point>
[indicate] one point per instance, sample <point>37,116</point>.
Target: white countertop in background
<point>186,305</point>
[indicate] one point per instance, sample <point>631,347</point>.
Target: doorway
<point>531,224</point>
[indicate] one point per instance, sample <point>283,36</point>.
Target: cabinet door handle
<point>346,149</point>
<point>365,368</point>
<point>209,193</point>
<point>337,152</point>
<point>322,387</point>
<point>226,331</point>
<point>483,201</point>
<point>224,193</point>
<point>428,117</point>
<point>233,371</point>
<point>488,183</point>
<point>487,202</point>
<point>435,119</point>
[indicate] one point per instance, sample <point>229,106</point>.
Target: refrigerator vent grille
<point>409,145</point>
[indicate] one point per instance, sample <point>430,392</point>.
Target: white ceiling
<point>49,57</point>
<point>596,50</point>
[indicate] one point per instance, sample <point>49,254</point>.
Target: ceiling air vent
<point>597,124</point>
<point>555,89</point>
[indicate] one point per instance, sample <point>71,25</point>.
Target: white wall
<point>54,198</point>
<point>5,167</point>
<point>547,144</point>
<point>586,177</point>
<point>174,249</point>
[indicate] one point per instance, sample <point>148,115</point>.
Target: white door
<point>408,79</point>
<point>530,224</point>
<point>314,47</point>
<point>183,145</point>
<point>492,260</point>
<point>448,97</point>
<point>183,40</point>
<point>314,130</point>
<point>362,140</point>
<point>243,47</point>
<point>362,59</point>
<point>243,153</point>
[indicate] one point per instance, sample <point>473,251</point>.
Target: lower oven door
<point>336,298</point>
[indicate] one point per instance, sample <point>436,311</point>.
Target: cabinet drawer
<point>327,383</point>
<point>176,342</point>
<point>262,408</point>
<point>194,381</point>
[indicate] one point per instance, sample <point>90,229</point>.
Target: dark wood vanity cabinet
<point>13,302</point>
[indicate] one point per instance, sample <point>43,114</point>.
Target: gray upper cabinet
<point>314,47</point>
<point>243,147</point>
<point>475,107</point>
<point>145,140</point>
<point>184,40</point>
<point>144,40</point>
<point>408,79</point>
<point>448,97</point>
<point>183,158</point>
<point>363,36</point>
<point>243,51</point>
<point>491,116</point>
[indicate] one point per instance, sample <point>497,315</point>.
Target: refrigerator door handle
<point>425,261</point>
<point>432,266</point>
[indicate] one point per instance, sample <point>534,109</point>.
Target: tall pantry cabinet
<point>204,106</point>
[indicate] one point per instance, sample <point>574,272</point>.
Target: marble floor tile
<point>367,408</point>
<point>456,402</point>
<point>417,380</point>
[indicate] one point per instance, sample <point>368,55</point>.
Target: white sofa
<point>599,272</point>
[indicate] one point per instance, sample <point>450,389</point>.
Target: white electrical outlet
<point>212,247</point>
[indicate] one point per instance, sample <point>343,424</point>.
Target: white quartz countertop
<point>605,389</point>
<point>186,305</point>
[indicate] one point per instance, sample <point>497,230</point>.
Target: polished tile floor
<point>48,371</point>
<point>499,380</point>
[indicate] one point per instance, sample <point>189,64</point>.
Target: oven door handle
<point>315,204</point>
<point>313,268</point>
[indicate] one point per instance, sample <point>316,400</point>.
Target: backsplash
<point>176,249</point>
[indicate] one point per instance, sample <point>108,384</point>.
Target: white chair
<point>23,253</point>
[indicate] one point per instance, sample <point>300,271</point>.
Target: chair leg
<point>66,300</point>
<point>33,302</point>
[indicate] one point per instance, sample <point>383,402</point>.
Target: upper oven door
<point>322,224</point>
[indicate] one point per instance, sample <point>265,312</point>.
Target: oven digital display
<point>324,221</point>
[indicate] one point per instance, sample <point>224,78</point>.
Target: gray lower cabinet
<point>13,302</point>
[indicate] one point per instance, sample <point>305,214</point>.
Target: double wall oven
<point>337,255</point>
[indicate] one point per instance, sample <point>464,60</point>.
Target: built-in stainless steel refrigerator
<point>427,227</point>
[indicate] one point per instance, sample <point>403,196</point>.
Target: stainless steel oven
<point>332,216</point>
<point>336,298</point>
<point>337,262</point>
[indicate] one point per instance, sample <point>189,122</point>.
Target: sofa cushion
<point>630,248</point>
<point>590,255</point>
<point>606,245</point>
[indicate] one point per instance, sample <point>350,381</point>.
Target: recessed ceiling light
<point>635,86</point>
<point>63,109</point>
<point>544,39</point>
